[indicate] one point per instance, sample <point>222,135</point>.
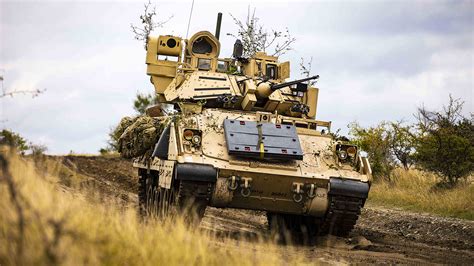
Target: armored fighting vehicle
<point>240,135</point>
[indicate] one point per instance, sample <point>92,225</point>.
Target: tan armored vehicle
<point>241,136</point>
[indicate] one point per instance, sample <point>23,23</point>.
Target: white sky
<point>377,60</point>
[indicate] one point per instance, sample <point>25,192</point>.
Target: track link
<point>142,198</point>
<point>193,198</point>
<point>342,215</point>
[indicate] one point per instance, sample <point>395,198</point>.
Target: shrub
<point>37,149</point>
<point>402,143</point>
<point>446,143</point>
<point>14,140</point>
<point>376,142</point>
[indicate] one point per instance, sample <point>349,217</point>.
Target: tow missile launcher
<point>242,136</point>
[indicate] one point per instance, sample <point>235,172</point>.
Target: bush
<point>376,142</point>
<point>402,143</point>
<point>446,143</point>
<point>37,149</point>
<point>14,140</point>
<point>104,151</point>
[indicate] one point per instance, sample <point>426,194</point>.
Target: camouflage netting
<point>124,123</point>
<point>138,135</point>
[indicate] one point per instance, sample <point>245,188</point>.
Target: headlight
<point>196,140</point>
<point>346,153</point>
<point>192,137</point>
<point>342,155</point>
<point>188,134</point>
<point>351,151</point>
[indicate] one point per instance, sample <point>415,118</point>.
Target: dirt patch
<point>381,235</point>
<point>103,178</point>
<point>379,223</point>
<point>374,240</point>
<point>111,169</point>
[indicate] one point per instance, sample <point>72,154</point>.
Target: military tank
<point>240,135</point>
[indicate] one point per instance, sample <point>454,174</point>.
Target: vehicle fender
<point>162,146</point>
<point>195,172</point>
<point>349,188</point>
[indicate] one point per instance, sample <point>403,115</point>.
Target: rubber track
<point>342,215</point>
<point>142,193</point>
<point>194,196</point>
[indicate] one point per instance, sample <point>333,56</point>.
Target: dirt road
<point>381,235</point>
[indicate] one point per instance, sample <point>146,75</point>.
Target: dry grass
<point>106,155</point>
<point>46,223</point>
<point>416,190</point>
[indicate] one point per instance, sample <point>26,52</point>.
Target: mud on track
<point>381,235</point>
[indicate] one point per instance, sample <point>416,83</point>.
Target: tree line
<point>439,141</point>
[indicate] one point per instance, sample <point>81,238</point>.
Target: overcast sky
<point>377,60</point>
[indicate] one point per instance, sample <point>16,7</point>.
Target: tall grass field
<point>418,191</point>
<point>45,223</point>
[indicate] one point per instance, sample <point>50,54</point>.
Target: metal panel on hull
<point>262,140</point>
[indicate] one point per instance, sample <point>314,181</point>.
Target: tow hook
<point>245,185</point>
<point>311,190</point>
<point>233,182</point>
<point>297,192</point>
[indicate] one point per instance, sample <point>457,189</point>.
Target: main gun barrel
<point>289,83</point>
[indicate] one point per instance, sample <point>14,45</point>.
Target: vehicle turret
<point>191,71</point>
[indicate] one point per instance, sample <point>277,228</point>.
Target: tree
<point>148,24</point>
<point>112,143</point>
<point>14,140</point>
<point>140,105</point>
<point>402,143</point>
<point>20,144</point>
<point>446,142</point>
<point>376,142</point>
<point>143,101</point>
<point>257,39</point>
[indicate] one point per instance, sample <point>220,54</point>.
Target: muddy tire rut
<point>381,235</point>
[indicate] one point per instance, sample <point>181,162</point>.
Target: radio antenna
<point>189,20</point>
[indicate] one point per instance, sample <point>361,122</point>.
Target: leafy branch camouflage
<point>257,39</point>
<point>305,68</point>
<point>148,24</point>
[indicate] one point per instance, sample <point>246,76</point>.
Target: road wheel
<point>154,200</point>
